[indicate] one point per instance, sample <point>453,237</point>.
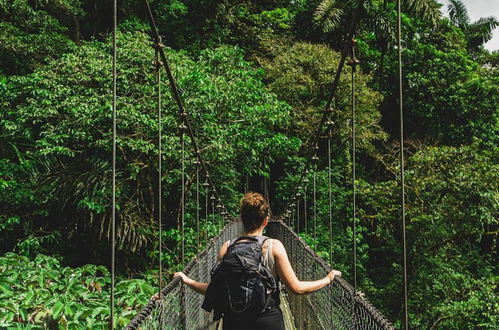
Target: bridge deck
<point>289,322</point>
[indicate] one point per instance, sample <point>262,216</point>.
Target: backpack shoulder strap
<point>262,239</point>
<point>240,238</point>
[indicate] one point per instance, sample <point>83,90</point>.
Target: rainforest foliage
<point>255,77</point>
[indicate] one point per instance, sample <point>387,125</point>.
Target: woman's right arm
<point>201,287</point>
<point>288,276</point>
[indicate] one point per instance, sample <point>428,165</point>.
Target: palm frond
<point>458,13</point>
<point>480,31</point>
<point>378,19</point>
<point>328,15</point>
<point>428,10</point>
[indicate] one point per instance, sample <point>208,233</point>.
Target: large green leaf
<point>57,310</point>
<point>6,289</point>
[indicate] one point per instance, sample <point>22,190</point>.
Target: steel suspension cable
<point>305,206</point>
<point>315,205</point>
<point>298,214</point>
<point>353,63</point>
<point>267,188</point>
<point>330,190</point>
<point>186,126</point>
<point>182,198</point>
<point>113,212</point>
<point>197,206</point>
<point>402,179</point>
<point>206,184</point>
<point>175,90</point>
<point>328,107</point>
<point>315,161</point>
<point>160,173</point>
<point>212,198</point>
<point>219,208</point>
<point>265,181</point>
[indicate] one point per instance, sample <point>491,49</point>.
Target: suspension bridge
<point>339,305</point>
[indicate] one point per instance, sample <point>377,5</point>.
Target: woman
<point>255,217</point>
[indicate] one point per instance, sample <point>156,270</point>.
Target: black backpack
<point>240,284</point>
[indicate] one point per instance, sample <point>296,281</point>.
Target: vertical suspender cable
<point>353,64</point>
<point>330,196</point>
<point>264,188</point>
<point>113,216</point>
<point>305,215</point>
<point>265,181</point>
<point>206,193</point>
<point>160,173</point>
<point>354,192</point>
<point>186,126</point>
<point>353,26</point>
<point>298,214</point>
<point>220,219</point>
<point>221,213</point>
<point>182,201</point>
<point>267,188</point>
<point>197,206</point>
<point>315,206</point>
<point>212,198</point>
<point>402,183</point>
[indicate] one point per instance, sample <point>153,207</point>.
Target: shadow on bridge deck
<point>289,322</point>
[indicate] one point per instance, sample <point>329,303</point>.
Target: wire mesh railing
<point>336,306</point>
<point>333,307</point>
<point>180,307</point>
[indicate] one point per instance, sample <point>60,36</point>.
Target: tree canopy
<point>255,77</point>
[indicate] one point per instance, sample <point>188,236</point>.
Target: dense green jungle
<point>255,77</point>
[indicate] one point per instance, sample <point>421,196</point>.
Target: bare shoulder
<point>223,250</point>
<point>277,248</point>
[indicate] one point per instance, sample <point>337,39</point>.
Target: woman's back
<point>271,317</point>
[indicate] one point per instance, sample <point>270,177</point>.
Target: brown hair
<point>254,209</point>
